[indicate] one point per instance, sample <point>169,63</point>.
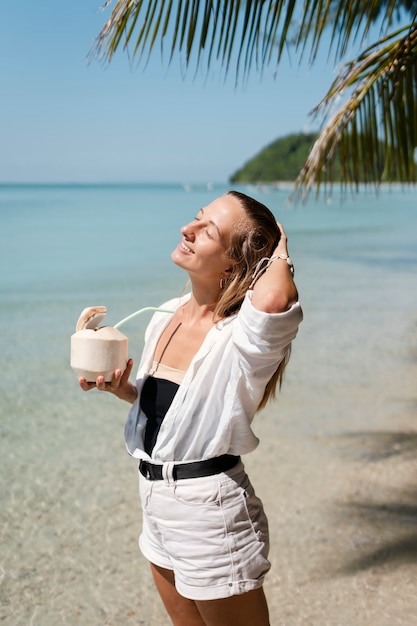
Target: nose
<point>187,231</point>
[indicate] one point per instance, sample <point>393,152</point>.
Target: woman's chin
<point>177,258</point>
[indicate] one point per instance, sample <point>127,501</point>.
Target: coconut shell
<point>98,352</point>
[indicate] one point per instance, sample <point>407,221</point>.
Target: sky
<point>67,119</point>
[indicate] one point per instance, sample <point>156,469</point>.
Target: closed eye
<point>212,224</point>
<point>206,229</point>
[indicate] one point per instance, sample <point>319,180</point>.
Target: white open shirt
<point>213,409</point>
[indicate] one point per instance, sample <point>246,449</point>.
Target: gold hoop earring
<point>222,283</point>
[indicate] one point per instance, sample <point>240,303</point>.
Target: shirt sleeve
<point>263,339</point>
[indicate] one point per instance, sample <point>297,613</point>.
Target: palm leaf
<point>255,30</point>
<point>383,80</point>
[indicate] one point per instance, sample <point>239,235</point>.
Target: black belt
<point>197,469</point>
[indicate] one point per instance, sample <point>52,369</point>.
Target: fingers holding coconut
<point>118,386</point>
<point>85,385</point>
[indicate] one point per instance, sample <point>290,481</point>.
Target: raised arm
<point>275,291</point>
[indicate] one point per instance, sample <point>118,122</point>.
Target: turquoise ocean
<point>69,509</point>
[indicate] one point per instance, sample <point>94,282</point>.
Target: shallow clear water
<point>69,510</point>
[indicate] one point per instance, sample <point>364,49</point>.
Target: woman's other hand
<point>282,247</point>
<point>275,290</point>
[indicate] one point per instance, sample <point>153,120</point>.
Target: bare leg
<point>247,609</point>
<point>182,611</point>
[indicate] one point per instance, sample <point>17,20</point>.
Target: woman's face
<point>205,240</point>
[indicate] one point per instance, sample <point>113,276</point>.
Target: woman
<point>206,369</point>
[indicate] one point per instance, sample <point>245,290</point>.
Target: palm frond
<point>245,32</point>
<point>381,111</point>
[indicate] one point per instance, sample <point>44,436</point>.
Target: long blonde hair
<point>253,238</point>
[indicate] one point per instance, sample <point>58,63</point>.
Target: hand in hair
<point>275,290</point>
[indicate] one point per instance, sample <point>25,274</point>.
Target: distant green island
<point>281,160</point>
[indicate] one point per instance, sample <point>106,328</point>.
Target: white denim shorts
<point>212,532</point>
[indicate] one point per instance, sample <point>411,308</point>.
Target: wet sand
<point>343,514</point>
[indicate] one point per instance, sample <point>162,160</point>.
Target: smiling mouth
<point>185,248</point>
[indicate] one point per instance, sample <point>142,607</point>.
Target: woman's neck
<point>195,311</point>
<point>201,304</point>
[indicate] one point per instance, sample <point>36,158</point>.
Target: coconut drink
<point>97,351</point>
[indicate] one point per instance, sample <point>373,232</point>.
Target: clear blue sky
<point>66,120</point>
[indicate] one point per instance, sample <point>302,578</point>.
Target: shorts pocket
<point>198,492</point>
<point>255,513</point>
<point>244,511</point>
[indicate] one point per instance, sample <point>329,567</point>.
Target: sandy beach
<point>344,518</point>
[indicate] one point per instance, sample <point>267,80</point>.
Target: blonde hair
<point>256,236</point>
